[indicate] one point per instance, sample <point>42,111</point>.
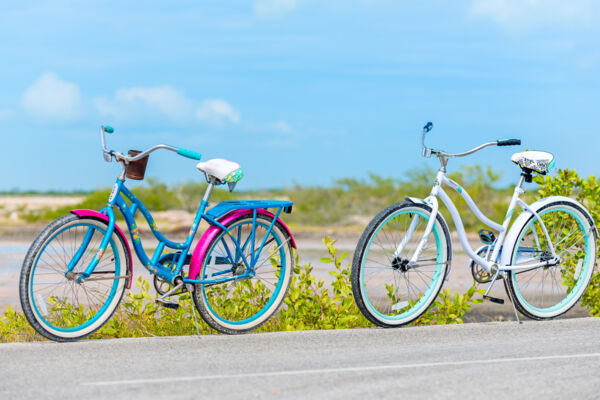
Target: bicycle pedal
<point>168,304</point>
<point>494,299</point>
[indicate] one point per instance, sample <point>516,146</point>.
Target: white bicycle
<point>546,258</point>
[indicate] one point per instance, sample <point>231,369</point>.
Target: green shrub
<point>15,328</point>
<point>339,204</point>
<point>586,191</point>
<point>310,304</point>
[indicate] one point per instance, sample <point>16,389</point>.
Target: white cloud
<point>52,99</point>
<point>274,8</point>
<point>529,14</point>
<point>217,111</point>
<point>281,135</point>
<point>165,101</point>
<point>282,126</point>
<point>136,102</point>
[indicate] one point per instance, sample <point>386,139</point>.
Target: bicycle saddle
<point>538,161</point>
<point>223,170</point>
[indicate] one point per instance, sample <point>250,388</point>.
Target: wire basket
<point>136,169</point>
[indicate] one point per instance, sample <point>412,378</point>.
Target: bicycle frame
<point>117,198</point>
<point>491,266</point>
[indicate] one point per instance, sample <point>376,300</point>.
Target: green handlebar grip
<point>108,129</point>
<point>189,154</point>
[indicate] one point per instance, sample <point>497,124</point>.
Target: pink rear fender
<point>103,217</point>
<point>212,231</point>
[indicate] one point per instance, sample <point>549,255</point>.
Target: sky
<point>296,91</point>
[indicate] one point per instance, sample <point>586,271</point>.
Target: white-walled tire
<point>235,307</point>
<point>547,292</point>
<point>60,308</point>
<point>387,291</point>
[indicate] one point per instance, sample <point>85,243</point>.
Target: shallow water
<point>11,258</point>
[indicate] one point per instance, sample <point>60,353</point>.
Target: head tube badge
<point>113,193</point>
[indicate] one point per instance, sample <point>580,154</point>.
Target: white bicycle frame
<point>490,265</point>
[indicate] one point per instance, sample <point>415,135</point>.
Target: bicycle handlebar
<point>108,154</point>
<point>189,153</point>
<point>509,142</point>
<point>428,152</point>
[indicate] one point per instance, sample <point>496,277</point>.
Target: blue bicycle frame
<point>118,198</point>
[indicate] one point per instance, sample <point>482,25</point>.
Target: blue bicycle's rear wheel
<point>54,303</point>
<point>236,302</point>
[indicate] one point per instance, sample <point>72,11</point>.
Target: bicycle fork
<point>433,203</point>
<point>96,259</point>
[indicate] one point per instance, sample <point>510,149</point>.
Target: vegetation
<point>346,202</point>
<point>310,304</point>
<point>586,191</point>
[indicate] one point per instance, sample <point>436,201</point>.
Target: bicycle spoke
<point>63,302</point>
<point>549,290</point>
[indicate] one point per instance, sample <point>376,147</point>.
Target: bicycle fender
<point>212,231</point>
<point>103,217</point>
<point>421,201</point>
<point>513,233</point>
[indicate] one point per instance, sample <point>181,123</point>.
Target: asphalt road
<point>556,359</point>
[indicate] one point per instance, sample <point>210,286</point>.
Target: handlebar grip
<point>428,126</point>
<point>189,153</point>
<point>509,142</point>
<point>108,129</point>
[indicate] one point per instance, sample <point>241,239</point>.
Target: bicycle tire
<point>218,305</point>
<point>376,311</point>
<point>49,313</point>
<point>519,282</point>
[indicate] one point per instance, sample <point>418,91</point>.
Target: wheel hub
<point>545,256</point>
<point>238,269</point>
<point>401,264</point>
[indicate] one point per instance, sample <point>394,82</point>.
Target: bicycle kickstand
<point>496,300</point>
<point>195,317</point>
<point>514,307</point>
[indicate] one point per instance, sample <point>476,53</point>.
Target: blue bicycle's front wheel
<point>54,302</point>
<point>388,289</point>
<point>246,285</point>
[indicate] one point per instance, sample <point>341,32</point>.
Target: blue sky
<point>294,90</point>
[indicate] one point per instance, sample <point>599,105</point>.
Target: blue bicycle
<point>76,271</point>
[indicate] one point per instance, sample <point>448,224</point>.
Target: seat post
<point>208,192</point>
<point>526,175</point>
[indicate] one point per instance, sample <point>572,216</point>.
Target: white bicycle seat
<point>538,161</point>
<point>223,170</point>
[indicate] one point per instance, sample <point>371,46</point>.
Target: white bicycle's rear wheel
<point>547,292</point>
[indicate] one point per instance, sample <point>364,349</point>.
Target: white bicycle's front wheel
<point>547,292</point>
<point>388,290</point>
